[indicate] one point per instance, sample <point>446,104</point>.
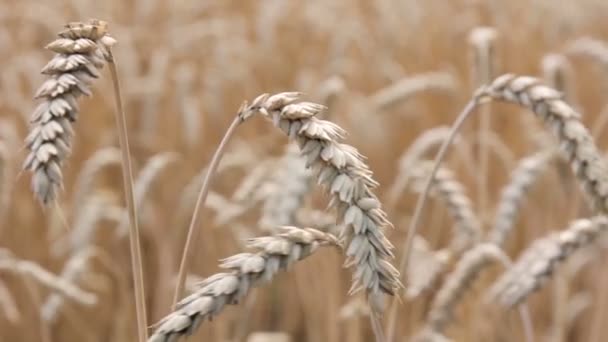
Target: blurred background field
<point>186,66</point>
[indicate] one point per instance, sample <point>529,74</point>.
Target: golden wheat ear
<point>243,271</point>
<point>80,51</point>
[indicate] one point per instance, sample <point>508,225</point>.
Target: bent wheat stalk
<point>81,49</point>
<point>576,143</point>
<point>244,112</point>
<point>243,271</point>
<point>564,123</point>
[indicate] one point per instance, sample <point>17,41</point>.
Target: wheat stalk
<point>459,281</point>
<point>192,234</point>
<point>513,194</point>
<point>341,168</point>
<point>81,50</point>
<point>483,45</point>
<point>539,261</point>
<point>244,271</point>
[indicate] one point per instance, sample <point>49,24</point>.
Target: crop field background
<point>508,246</point>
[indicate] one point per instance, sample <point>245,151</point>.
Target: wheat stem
<point>200,202</point>
<point>127,177</point>
<point>413,228</point>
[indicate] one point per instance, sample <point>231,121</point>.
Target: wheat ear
<point>590,47</point>
<point>47,279</point>
<point>459,281</point>
<point>558,73</point>
<point>513,194</point>
<point>564,122</point>
<point>81,49</point>
<point>146,177</point>
<point>244,271</point>
<point>348,179</point>
<point>73,268</point>
<point>467,228</point>
<point>286,190</point>
<point>538,262</point>
<point>85,180</point>
<point>576,143</point>
<point>390,96</point>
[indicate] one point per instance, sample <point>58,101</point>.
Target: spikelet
<point>564,122</point>
<point>243,271</point>
<point>348,179</point>
<point>513,194</point>
<point>539,261</point>
<point>81,50</point>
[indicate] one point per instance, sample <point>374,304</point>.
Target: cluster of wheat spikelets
<point>102,232</point>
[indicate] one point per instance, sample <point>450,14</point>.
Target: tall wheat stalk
<point>127,179</point>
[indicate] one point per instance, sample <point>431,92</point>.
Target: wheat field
<point>285,171</point>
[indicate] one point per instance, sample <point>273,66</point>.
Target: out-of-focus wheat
<point>564,122</point>
<point>512,195</point>
<point>245,270</point>
<point>539,261</point>
<point>467,228</point>
<point>45,278</point>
